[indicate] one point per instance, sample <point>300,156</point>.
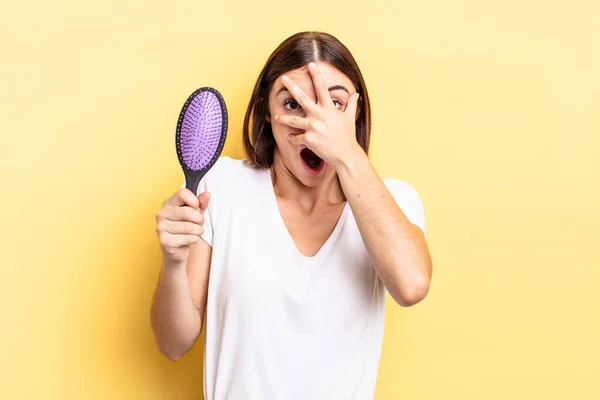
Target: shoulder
<point>400,188</point>
<point>408,199</point>
<point>232,177</point>
<point>223,168</point>
<point>229,171</point>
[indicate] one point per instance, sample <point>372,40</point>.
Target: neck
<point>286,185</point>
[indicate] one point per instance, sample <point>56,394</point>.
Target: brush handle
<point>192,180</point>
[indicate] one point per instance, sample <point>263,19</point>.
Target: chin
<point>308,180</point>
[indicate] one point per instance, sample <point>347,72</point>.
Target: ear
<point>268,118</point>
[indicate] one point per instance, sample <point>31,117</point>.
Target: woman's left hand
<point>329,132</point>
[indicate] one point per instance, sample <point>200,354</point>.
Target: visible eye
<point>291,105</point>
<point>338,104</point>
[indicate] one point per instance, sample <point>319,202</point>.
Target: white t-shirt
<point>280,325</point>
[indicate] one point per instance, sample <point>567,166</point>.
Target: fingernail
<point>285,79</point>
<point>311,64</point>
<point>276,117</point>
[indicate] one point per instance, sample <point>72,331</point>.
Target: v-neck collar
<point>300,259</point>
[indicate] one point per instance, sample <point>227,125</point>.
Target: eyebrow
<point>332,88</point>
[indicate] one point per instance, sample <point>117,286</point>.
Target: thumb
<point>352,106</point>
<point>297,139</point>
<point>203,198</point>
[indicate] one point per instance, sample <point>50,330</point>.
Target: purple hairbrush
<point>200,135</point>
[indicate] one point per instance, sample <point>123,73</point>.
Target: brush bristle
<point>201,130</point>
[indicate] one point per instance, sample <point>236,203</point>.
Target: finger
<point>300,95</point>
<point>178,241</point>
<point>184,197</point>
<point>352,105</point>
<point>185,214</point>
<point>321,88</point>
<point>293,120</point>
<point>203,200</point>
<point>183,228</point>
<point>298,140</point>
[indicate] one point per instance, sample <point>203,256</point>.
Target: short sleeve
<point>408,200</point>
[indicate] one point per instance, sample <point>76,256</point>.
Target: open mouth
<point>312,161</point>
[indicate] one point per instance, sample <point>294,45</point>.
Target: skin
<point>397,247</point>
<point>310,204</point>
<point>179,302</point>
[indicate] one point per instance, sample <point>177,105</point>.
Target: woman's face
<point>282,102</point>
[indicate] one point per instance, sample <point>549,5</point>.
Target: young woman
<point>292,257</point>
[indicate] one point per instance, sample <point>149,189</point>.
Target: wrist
<point>173,267</point>
<point>351,159</point>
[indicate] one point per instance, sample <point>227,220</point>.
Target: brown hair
<point>295,52</point>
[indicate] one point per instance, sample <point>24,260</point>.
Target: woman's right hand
<point>179,225</point>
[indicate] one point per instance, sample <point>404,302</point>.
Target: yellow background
<point>489,109</point>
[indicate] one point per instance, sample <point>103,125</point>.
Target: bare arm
<point>177,310</point>
<point>397,247</point>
